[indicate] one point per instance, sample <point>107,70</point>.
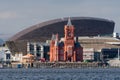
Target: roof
<point>84,26</point>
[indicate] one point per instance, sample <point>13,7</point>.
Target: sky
<point>16,15</point>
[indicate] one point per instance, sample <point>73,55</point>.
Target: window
<point>7,56</point>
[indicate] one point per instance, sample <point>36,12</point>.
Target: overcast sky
<point>16,15</point>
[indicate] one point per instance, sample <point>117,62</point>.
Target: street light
<point>118,54</point>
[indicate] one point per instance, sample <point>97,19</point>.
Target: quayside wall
<point>65,64</point>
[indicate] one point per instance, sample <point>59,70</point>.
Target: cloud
<point>8,15</point>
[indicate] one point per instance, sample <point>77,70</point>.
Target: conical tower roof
<point>69,22</point>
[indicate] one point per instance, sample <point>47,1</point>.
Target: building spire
<point>69,22</point>
<point>53,37</point>
<point>56,40</point>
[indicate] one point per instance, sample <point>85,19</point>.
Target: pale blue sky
<point>16,15</point>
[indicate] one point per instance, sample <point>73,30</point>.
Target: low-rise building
<point>103,46</point>
<point>39,50</point>
<point>88,54</point>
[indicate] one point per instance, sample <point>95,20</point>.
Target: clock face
<point>69,33</point>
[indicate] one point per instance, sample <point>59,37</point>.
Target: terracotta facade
<point>67,49</point>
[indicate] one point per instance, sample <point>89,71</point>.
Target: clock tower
<point>67,49</point>
<point>69,41</point>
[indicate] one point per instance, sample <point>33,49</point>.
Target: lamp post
<point>118,54</point>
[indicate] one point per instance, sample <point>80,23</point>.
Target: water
<point>60,74</point>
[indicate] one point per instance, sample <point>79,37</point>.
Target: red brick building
<point>68,49</point>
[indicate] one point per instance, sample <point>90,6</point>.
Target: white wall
<point>88,54</point>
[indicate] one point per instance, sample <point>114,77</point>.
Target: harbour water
<point>61,74</point>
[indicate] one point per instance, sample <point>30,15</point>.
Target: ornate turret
<point>69,22</point>
<point>69,30</point>
<point>53,37</point>
<point>56,40</point>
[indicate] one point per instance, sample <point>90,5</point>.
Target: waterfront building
<point>17,57</point>
<point>28,60</point>
<point>84,26</point>
<point>39,50</point>
<point>93,33</point>
<point>5,55</point>
<point>105,47</point>
<point>67,50</point>
<point>109,53</point>
<point>88,54</point>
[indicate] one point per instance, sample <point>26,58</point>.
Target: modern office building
<point>104,47</point>
<point>39,50</point>
<point>110,53</point>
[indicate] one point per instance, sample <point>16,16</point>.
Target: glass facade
<point>40,50</point>
<point>109,53</point>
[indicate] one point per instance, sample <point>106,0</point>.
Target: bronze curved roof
<point>84,26</point>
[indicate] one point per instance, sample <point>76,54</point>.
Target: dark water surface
<point>61,74</point>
